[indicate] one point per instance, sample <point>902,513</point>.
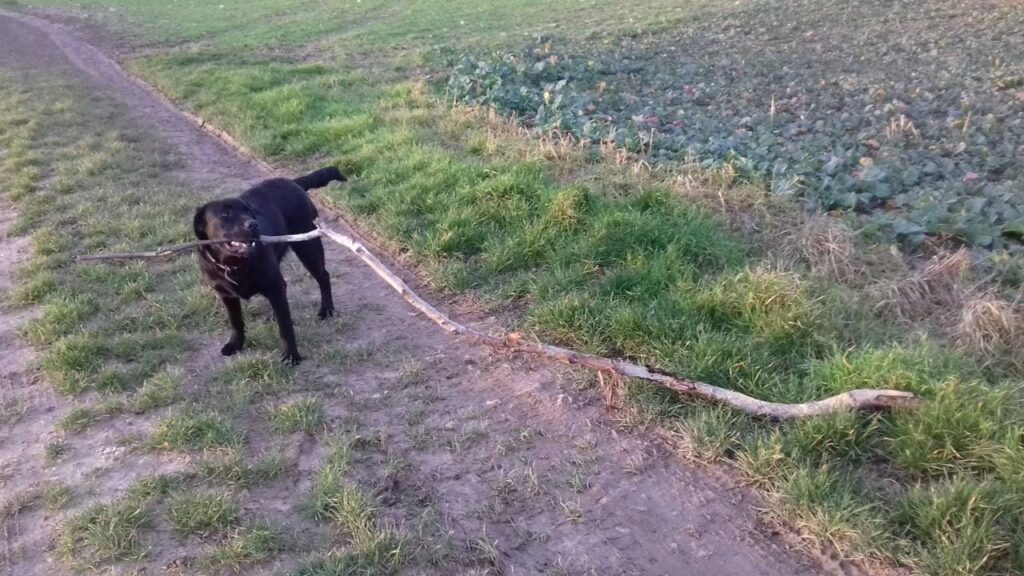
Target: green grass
<point>376,548</point>
<point>17,501</point>
<point>63,314</point>
<point>869,139</point>
<point>154,487</point>
<point>159,391</point>
<point>104,533</point>
<point>380,556</point>
<point>330,483</point>
<point>105,328</point>
<point>229,468</point>
<point>192,430</point>
<point>80,418</point>
<point>55,450</point>
<point>629,270</point>
<point>83,181</point>
<point>304,415</point>
<point>590,254</point>
<point>202,513</point>
<point>960,524</point>
<point>253,376</point>
<point>345,505</point>
<point>247,545</point>
<point>374,26</point>
<point>56,496</point>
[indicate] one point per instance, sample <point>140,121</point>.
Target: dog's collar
<point>222,267</point>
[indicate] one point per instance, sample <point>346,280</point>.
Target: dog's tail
<point>320,178</point>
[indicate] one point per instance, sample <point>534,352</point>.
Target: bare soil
<point>472,430</point>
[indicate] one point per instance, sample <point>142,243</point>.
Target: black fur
<point>247,267</point>
<point>320,178</point>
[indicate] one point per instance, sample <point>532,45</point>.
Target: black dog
<point>245,266</point>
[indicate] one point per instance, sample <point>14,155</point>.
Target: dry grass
<point>930,292</point>
<point>824,245</point>
<point>506,136</point>
<point>989,323</point>
<point>992,328</point>
<point>746,208</point>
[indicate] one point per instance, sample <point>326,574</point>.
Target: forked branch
<point>852,400</point>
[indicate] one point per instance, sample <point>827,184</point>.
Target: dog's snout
<point>251,225</point>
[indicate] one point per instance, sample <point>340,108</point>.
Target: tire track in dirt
<point>605,501</point>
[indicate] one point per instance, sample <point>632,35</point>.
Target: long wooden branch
<point>852,400</point>
<point>165,251</point>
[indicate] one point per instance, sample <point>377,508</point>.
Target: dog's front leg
<point>234,308</point>
<point>278,298</point>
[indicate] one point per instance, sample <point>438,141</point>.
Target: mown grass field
<point>685,269</point>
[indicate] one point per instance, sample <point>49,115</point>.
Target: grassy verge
<point>593,254</point>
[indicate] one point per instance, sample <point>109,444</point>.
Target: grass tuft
<point>945,438</point>
<point>103,533</point>
<point>80,418</point>
<point>18,500</point>
<point>254,376</point>
<point>202,513</point>
<point>154,487</point>
<point>935,288</point>
<point>382,555</point>
<point>958,526</point>
<point>55,450</point>
<point>159,391</point>
<point>56,495</point>
<point>826,246</point>
<point>377,548</point>
<point>193,430</point>
<point>229,468</point>
<point>247,545</point>
<point>304,415</point>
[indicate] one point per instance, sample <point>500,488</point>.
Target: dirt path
<point>509,453</point>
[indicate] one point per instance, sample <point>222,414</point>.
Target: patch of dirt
<point>509,454</point>
<point>13,251</point>
<point>22,397</point>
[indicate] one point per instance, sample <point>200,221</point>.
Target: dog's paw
<point>291,358</point>
<point>325,313</point>
<point>231,348</point>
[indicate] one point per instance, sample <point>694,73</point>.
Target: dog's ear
<point>199,223</point>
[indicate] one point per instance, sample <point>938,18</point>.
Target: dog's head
<point>229,219</point>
